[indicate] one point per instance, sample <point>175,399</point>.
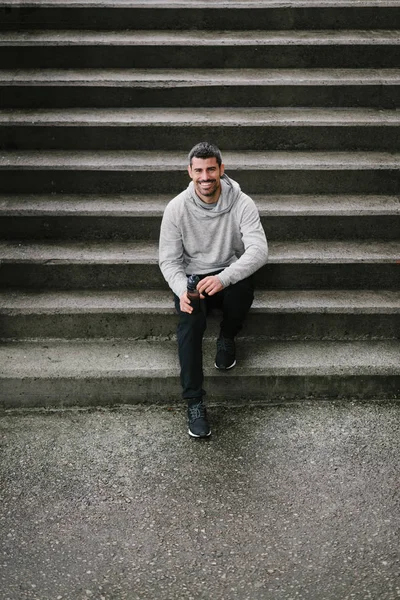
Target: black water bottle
<point>193,293</point>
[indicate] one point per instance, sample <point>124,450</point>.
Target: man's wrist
<point>223,283</point>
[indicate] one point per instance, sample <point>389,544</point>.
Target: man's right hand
<point>184,304</point>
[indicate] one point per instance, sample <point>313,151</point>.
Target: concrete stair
<point>340,315</point>
<point>155,129</point>
<point>99,104</point>
<point>284,217</point>
<point>200,88</point>
<point>103,373</point>
<point>124,171</point>
<point>174,15</point>
<point>187,49</point>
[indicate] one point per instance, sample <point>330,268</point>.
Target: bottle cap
<point>192,282</point>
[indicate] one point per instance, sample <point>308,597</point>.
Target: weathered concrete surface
<point>168,78</point>
<point>121,160</point>
<point>293,501</point>
<point>146,252</point>
<point>197,38</point>
<point>201,3</point>
<point>153,205</point>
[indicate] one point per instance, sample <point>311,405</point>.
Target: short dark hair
<point>205,150</point>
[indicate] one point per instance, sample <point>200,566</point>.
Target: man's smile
<point>207,184</point>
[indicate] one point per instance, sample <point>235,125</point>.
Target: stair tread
<point>146,358</point>
<point>316,251</point>
<point>199,38</point>
<point>178,117</point>
<point>144,302</point>
<point>154,205</point>
<point>172,78</point>
<point>169,4</point>
<point>121,160</point>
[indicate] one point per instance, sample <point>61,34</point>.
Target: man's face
<point>206,175</point>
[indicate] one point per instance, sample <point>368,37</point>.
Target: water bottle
<point>193,293</point>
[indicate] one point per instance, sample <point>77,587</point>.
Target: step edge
<point>176,78</point>
<point>65,38</point>
<point>173,4</point>
<point>120,160</point>
<point>172,117</point>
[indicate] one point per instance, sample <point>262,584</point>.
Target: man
<point>213,230</point>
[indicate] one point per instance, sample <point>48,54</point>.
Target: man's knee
<point>241,292</point>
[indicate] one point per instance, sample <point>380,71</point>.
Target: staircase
<point>100,101</point>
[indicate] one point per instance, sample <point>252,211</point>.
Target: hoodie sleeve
<point>171,251</point>
<point>255,245</point>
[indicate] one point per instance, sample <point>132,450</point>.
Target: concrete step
<point>211,87</point>
<point>219,117</point>
<point>133,265</point>
<point>88,373</point>
<point>172,128</point>
<point>166,161</point>
<point>204,38</point>
<point>138,217</point>
<point>164,15</point>
<point>279,315</point>
<point>153,205</point>
<point>200,49</point>
<point>258,172</point>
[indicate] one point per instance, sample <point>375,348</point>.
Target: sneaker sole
<point>193,435</point>
<point>225,368</point>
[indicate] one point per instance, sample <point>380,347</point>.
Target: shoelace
<point>197,411</point>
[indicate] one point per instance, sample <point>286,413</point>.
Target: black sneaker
<point>197,418</point>
<point>225,358</point>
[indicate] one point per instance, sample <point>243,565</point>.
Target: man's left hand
<point>210,285</point>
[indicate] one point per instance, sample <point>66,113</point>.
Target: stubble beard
<point>212,192</point>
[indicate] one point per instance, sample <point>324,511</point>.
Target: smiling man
<point>213,230</point>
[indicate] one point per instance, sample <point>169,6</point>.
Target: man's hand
<point>184,303</point>
<point>210,285</point>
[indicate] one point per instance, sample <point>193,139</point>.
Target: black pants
<point>235,302</point>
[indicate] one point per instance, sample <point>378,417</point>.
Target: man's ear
<point>222,169</point>
<point>190,171</point>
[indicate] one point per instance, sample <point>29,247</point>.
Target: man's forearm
<point>252,260</point>
<point>174,274</point>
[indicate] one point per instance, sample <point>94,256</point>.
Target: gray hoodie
<point>197,238</point>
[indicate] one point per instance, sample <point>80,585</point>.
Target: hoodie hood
<point>230,192</point>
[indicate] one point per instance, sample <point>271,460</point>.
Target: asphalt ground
<point>295,501</point>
